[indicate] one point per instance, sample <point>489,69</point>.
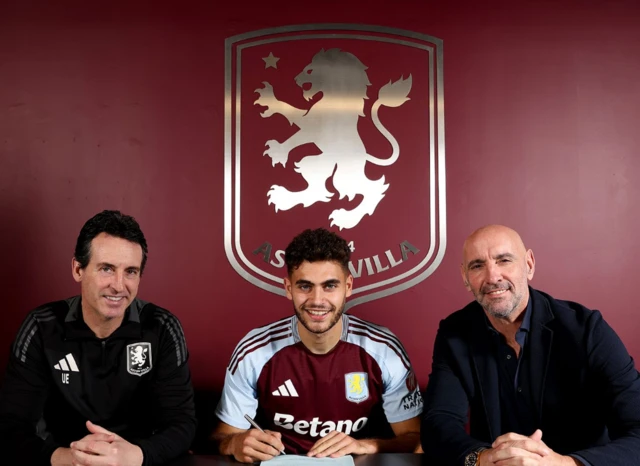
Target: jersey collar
<point>75,328</point>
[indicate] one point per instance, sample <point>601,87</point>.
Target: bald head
<point>496,268</point>
<point>492,234</point>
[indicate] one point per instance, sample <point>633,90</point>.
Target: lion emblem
<point>331,123</point>
<point>138,356</point>
<point>356,386</point>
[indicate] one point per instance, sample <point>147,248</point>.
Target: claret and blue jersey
<point>362,384</point>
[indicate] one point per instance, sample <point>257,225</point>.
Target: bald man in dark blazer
<point>539,381</point>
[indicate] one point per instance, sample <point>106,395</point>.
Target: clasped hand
<point>102,447</point>
<point>518,450</point>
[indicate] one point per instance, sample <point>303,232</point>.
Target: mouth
<point>114,299</point>
<point>317,315</point>
<point>496,293</point>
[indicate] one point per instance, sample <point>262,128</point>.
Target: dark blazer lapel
<point>541,337</point>
<point>487,371</point>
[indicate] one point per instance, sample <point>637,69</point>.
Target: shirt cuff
<point>581,459</point>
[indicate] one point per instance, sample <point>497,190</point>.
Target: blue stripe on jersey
<point>259,332</point>
<point>239,395</point>
<point>260,335</point>
<point>379,334</point>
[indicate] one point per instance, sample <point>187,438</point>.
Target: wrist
<point>61,457</point>
<point>571,461</point>
<point>369,446</point>
<point>227,445</point>
<point>481,455</point>
<point>224,445</point>
<point>475,457</point>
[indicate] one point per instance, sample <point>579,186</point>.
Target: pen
<point>255,424</point>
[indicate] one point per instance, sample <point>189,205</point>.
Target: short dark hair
<point>316,246</point>
<point>113,223</point>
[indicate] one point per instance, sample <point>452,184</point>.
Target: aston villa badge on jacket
<point>139,358</point>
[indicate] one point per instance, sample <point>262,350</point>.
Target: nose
<point>494,274</point>
<point>117,283</point>
<point>317,295</point>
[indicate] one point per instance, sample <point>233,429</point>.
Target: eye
<point>331,286</point>
<point>304,287</point>
<point>105,268</point>
<point>133,272</point>
<point>475,267</point>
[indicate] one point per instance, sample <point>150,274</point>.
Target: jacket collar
<point>75,327</point>
<point>487,369</point>
<point>541,338</point>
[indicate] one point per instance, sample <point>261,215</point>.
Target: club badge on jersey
<point>356,386</point>
<point>139,358</point>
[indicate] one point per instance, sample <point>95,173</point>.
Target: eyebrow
<point>331,281</point>
<point>504,255</point>
<point>106,264</point>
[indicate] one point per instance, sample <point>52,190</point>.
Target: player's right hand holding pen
<point>248,446</point>
<point>278,435</point>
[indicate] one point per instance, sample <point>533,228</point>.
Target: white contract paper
<point>299,460</point>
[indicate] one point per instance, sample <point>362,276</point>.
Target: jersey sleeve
<point>240,392</point>
<point>239,395</point>
<point>401,398</point>
<point>24,392</point>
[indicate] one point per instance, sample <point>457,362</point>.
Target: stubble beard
<point>336,313</point>
<point>496,310</point>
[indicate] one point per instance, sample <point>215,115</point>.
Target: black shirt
<point>516,405</point>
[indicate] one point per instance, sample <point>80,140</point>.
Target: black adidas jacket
<point>135,383</point>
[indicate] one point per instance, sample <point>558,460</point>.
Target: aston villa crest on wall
<point>338,126</point>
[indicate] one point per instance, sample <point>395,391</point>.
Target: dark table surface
<point>388,459</point>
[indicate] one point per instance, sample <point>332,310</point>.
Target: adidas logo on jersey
<point>286,389</point>
<point>316,427</point>
<point>66,365</point>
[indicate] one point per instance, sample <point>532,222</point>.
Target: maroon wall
<point>122,107</point>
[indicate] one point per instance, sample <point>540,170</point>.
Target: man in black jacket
<point>540,381</point>
<point>100,378</point>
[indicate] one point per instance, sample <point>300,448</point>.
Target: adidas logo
<point>67,364</point>
<point>286,389</point>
